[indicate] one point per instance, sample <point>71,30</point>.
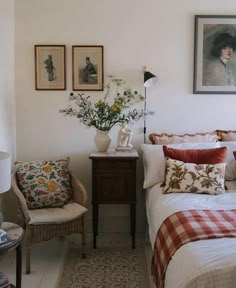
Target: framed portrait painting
<point>214,54</point>
<point>87,68</point>
<point>50,67</point>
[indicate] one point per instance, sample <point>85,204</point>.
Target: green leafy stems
<point>106,112</point>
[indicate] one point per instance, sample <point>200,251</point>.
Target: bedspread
<point>186,226</point>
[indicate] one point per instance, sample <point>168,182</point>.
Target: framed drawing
<point>214,57</point>
<point>87,68</point>
<point>50,67</point>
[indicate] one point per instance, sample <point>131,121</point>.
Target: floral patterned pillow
<point>194,178</point>
<point>44,183</point>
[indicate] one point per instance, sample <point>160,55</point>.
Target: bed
<point>207,263</point>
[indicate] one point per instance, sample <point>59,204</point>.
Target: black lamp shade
<point>149,79</point>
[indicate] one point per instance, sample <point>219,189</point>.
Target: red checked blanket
<point>186,226</point>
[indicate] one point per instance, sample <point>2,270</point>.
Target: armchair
<point>47,223</point>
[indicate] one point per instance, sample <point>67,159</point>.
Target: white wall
<point>134,33</point>
<point>7,77</point>
<point>7,86</point>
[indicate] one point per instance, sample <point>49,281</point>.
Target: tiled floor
<point>47,260</point>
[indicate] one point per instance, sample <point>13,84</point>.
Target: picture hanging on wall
<point>87,70</point>
<point>50,67</point>
<point>214,54</point>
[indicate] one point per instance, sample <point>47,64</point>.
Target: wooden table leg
<point>95,224</point>
<point>133,222</point>
<point>18,266</point>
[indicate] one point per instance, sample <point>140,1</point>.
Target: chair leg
<point>28,250</point>
<point>83,237</point>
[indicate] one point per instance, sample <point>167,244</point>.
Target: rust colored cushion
<point>197,156</point>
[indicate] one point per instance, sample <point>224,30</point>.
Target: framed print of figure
<point>214,54</point>
<point>50,67</point>
<point>87,68</point>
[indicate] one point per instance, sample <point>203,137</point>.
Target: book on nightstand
<point>3,236</point>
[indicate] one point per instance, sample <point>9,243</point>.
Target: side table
<point>14,238</point>
<point>114,182</point>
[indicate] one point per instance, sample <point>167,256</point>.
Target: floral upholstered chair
<point>52,201</point>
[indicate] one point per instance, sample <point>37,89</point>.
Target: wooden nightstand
<point>114,182</point>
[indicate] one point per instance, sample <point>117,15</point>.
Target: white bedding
<point>205,263</point>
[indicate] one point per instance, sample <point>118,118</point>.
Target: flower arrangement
<point>106,112</point>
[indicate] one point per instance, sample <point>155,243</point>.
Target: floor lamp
<point>149,80</point>
<point>5,175</point>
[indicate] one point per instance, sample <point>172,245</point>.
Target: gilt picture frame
<point>214,54</point>
<point>87,68</point>
<point>50,67</point>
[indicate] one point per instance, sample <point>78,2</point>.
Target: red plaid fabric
<point>186,226</point>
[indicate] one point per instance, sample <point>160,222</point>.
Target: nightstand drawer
<point>111,164</point>
<point>115,189</point>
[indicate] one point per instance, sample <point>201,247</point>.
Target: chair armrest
<point>79,192</point>
<point>20,198</point>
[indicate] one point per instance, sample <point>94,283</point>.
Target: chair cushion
<point>68,212</point>
<point>44,183</point>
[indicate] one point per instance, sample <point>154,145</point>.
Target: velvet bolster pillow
<point>197,156</point>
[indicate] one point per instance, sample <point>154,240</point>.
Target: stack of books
<point>3,236</point>
<point>4,282</point>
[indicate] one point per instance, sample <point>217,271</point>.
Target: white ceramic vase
<point>102,140</point>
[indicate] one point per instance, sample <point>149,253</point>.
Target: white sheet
<point>205,263</point>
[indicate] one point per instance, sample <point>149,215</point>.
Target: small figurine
<point>124,138</point>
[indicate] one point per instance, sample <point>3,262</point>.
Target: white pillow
<point>154,160</point>
<point>230,170</point>
<point>153,164</point>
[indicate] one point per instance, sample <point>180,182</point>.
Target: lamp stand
<point>149,80</point>
<point>5,176</point>
<point>1,219</point>
<point>1,215</point>
<point>145,113</point>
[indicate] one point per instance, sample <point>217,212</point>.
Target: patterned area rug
<point>105,267</point>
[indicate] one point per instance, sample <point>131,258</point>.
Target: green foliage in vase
<point>106,112</point>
